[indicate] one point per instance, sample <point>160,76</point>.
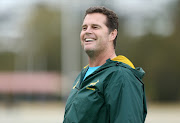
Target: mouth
<point>88,39</point>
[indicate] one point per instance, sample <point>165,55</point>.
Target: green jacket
<point>114,93</point>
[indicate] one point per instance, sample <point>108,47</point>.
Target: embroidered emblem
<point>94,83</point>
<point>90,86</point>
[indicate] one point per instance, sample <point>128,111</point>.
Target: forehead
<point>94,18</point>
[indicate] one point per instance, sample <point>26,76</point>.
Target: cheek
<point>81,35</point>
<point>81,38</point>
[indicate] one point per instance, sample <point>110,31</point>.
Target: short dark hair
<point>112,19</point>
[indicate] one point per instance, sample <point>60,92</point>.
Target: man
<point>109,89</point>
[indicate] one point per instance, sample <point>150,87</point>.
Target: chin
<point>88,48</point>
<point>89,52</point>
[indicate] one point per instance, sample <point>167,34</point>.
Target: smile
<point>89,40</point>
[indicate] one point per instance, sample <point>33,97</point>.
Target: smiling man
<point>96,38</point>
<point>110,88</point>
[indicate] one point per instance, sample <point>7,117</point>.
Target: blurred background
<point>40,55</point>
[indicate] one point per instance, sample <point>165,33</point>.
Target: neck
<point>100,59</point>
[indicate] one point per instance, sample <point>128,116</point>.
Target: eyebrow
<point>83,25</point>
<point>96,25</point>
<point>91,25</point>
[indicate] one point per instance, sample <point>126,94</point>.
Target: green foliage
<point>7,61</point>
<point>43,33</point>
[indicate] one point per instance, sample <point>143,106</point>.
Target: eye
<point>95,27</point>
<point>84,28</point>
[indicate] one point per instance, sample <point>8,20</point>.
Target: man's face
<point>95,34</point>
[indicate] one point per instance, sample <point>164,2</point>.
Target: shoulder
<point>122,70</point>
<point>122,75</point>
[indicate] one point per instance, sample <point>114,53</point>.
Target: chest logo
<point>90,86</point>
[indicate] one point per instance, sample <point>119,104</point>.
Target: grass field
<point>52,112</point>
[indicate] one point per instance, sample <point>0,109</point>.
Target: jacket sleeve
<point>124,97</point>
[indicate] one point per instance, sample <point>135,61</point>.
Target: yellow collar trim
<point>123,59</point>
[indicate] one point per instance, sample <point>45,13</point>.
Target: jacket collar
<point>123,59</point>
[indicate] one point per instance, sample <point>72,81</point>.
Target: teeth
<point>88,39</point>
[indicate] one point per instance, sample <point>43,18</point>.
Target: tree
<point>43,35</point>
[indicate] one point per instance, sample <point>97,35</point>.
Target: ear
<point>113,35</point>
